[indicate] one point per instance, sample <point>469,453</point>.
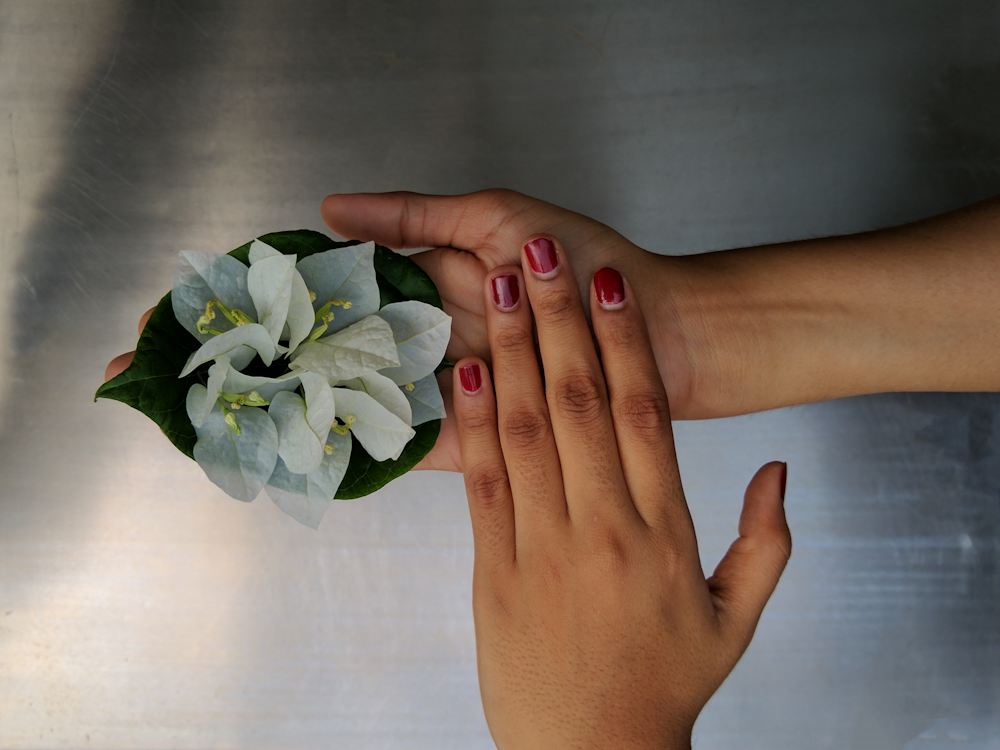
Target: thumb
<point>488,223</point>
<point>747,575</point>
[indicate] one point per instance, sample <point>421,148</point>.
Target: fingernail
<point>506,292</point>
<point>610,288</point>
<point>542,257</point>
<point>784,480</point>
<point>472,379</point>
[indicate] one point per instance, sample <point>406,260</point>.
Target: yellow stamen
<point>231,421</point>
<point>341,429</point>
<point>409,386</point>
<point>328,450</point>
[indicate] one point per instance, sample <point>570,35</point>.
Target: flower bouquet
<point>294,364</point>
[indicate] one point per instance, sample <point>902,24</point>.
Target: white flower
<point>366,346</point>
<point>381,433</point>
<point>237,450</point>
<point>421,333</point>
<point>425,399</point>
<point>304,423</point>
<point>352,369</point>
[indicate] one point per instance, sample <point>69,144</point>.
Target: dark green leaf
<point>406,276</point>
<point>150,384</point>
<point>365,475</point>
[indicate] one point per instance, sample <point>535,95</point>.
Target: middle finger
<point>574,386</point>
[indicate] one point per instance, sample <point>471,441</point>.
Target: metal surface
<point>139,607</point>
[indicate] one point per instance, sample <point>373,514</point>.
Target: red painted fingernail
<point>472,379</point>
<point>506,291</point>
<point>784,480</point>
<point>610,288</point>
<point>542,257</point>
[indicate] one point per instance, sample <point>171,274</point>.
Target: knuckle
<point>781,539</point>
<point>499,198</point>
<point>477,422</point>
<point>624,335</point>
<point>611,555</point>
<point>647,414</point>
<point>526,429</point>
<point>512,340</point>
<point>579,397</point>
<point>488,484</point>
<point>556,306</point>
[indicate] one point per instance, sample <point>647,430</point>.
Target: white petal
<point>364,347</point>
<point>216,381</point>
<point>303,425</point>
<point>425,400</point>
<point>301,316</point>
<point>381,433</point>
<point>270,284</point>
<point>343,273</point>
<point>237,382</point>
<point>260,250</point>
<point>203,277</point>
<point>320,409</point>
<point>239,464</point>
<point>421,332</point>
<point>383,390</point>
<point>305,497</point>
<point>252,335</point>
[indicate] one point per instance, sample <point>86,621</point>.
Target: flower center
<point>236,400</point>
<point>234,316</point>
<point>324,316</point>
<point>341,429</point>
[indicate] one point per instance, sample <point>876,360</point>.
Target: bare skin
<point>595,626</point>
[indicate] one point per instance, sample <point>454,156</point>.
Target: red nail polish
<point>472,379</point>
<point>784,479</point>
<point>506,291</point>
<point>542,256</point>
<point>609,287</point>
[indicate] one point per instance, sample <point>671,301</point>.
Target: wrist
<point>905,309</point>
<point>742,331</point>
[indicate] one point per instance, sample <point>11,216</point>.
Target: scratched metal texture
<point>139,607</point>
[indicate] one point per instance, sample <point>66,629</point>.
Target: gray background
<point>139,607</point>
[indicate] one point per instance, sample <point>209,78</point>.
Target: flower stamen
<point>326,318</point>
<point>341,429</point>
<point>231,418</point>
<point>234,316</point>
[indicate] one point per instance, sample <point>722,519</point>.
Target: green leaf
<point>151,383</point>
<point>365,475</point>
<point>406,277</point>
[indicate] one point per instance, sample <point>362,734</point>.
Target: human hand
<point>475,233</point>
<point>595,626</point>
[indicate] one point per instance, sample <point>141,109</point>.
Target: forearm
<point>913,308</point>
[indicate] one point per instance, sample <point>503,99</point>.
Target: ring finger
<point>523,416</point>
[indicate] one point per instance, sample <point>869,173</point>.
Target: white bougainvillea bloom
<point>240,460</point>
<point>304,423</point>
<point>232,389</point>
<point>350,369</point>
<point>421,333</point>
<point>381,433</point>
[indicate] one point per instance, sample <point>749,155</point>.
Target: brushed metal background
<point>139,607</point>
